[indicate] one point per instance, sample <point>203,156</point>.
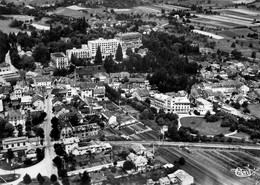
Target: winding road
<point>45,167</point>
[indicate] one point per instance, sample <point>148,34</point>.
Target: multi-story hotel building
<point>108,46</point>
<point>170,104</point>
<point>130,40</point>
<point>83,52</point>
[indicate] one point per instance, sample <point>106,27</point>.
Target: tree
<point>9,154</point>
<point>253,55</point>
<point>119,53</point>
<point>181,161</point>
<point>55,134</point>
<point>250,45</point>
<point>4,46</point>
<point>59,149</point>
<point>129,52</point>
<point>58,162</point>
<point>128,165</point>
<point>98,57</point>
<point>9,129</point>
<point>39,154</point>
<point>85,178</point>
<point>245,104</point>
<point>41,54</point>
<point>53,178</point>
<point>233,45</point>
<point>207,114</point>
<point>27,179</point>
<point>40,132</point>
<point>236,105</point>
<point>40,179</point>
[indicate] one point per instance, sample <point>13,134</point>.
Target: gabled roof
<point>14,113</point>
<point>143,92</point>
<point>87,85</point>
<point>138,147</point>
<point>37,97</point>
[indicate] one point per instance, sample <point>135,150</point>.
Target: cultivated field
<point>204,128</point>
<point>32,2</point>
<point>216,3</point>
<point>236,32</point>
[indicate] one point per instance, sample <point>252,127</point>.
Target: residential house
<point>20,143</point>
<point>183,177</point>
<point>244,89</point>
<point>93,147</point>
<point>139,149</point>
<point>43,81</point>
<point>26,101</point>
<point>110,118</point>
<point>66,129</point>
<point>140,162</point>
<point>141,94</point>
<point>86,130</point>
<point>164,181</point>
<point>60,60</point>
<point>139,83</point>
<point>86,89</point>
<point>15,117</point>
<point>99,90</point>
<point>38,102</point>
<point>203,105</point>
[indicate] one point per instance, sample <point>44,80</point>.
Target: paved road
<point>45,167</point>
<point>186,144</point>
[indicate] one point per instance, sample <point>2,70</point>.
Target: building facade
<point>170,104</point>
<point>83,52</point>
<point>107,46</point>
<point>60,60</point>
<point>130,40</point>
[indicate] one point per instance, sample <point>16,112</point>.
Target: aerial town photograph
<point>129,92</point>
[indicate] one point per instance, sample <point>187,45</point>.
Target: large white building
<point>203,106</point>
<point>60,60</point>
<point>130,40</point>
<point>182,177</point>
<point>108,46</point>
<point>83,52</point>
<point>170,104</point>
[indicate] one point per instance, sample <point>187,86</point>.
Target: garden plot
<point>228,20</point>
<point>244,11</point>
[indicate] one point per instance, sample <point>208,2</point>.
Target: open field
<point>204,128</point>
<point>236,32</point>
<point>4,26</point>
<point>214,36</point>
<point>254,109</point>
<point>244,11</point>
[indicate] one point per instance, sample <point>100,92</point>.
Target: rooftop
<point>58,55</point>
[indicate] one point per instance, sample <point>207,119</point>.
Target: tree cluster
<point>4,45</point>
<point>55,132</point>
<point>6,129</point>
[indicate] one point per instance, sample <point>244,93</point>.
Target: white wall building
<point>83,52</point>
<point>203,105</point>
<point>130,40</point>
<point>108,46</point>
<point>182,177</point>
<point>60,60</point>
<point>170,104</point>
<point>42,81</point>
